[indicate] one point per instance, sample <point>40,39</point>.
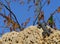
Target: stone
<point>31,35</point>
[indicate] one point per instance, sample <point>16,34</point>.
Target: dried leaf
<point>14,25</point>
<point>41,16</point>
<point>10,21</point>
<point>48,2</point>
<point>27,21</point>
<point>11,29</point>
<point>58,10</point>
<point>36,3</point>
<point>7,20</point>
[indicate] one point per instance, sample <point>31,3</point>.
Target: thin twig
<point>39,12</point>
<point>8,7</point>
<point>11,13</point>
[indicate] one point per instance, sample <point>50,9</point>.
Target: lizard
<point>45,30</point>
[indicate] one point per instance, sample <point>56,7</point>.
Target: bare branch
<point>11,13</point>
<point>8,3</point>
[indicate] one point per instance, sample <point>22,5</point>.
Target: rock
<point>31,35</point>
<point>0,41</point>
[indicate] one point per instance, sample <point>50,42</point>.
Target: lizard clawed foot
<point>46,33</point>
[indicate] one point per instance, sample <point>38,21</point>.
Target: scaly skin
<point>45,32</point>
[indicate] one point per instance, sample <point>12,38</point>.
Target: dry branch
<point>12,14</point>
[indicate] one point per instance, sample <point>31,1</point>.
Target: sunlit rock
<point>31,35</point>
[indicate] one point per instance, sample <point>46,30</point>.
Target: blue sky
<point>22,14</point>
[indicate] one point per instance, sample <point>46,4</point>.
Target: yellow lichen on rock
<point>31,35</point>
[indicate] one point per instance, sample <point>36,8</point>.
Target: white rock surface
<point>31,35</point>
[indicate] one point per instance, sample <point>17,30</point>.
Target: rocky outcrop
<point>31,35</point>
